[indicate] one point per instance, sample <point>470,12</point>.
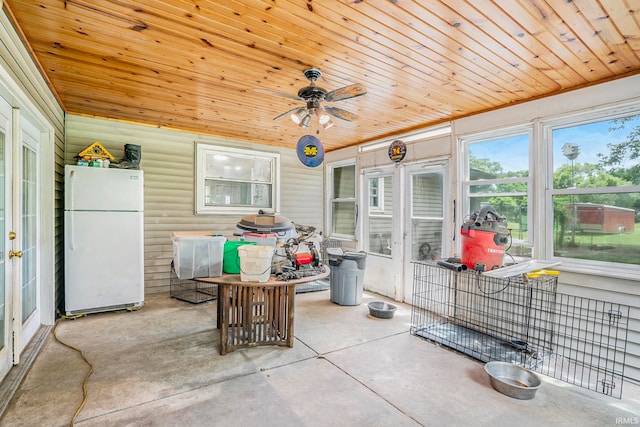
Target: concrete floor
<point>160,366</point>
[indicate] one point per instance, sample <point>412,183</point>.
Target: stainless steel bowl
<point>512,380</point>
<point>381,309</point>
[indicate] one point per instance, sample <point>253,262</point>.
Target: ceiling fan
<point>313,95</point>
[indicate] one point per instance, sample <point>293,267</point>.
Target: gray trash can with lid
<point>347,275</point>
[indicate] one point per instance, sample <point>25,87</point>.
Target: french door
<point>405,219</point>
<point>380,207</point>
<point>19,235</point>
<point>426,216</point>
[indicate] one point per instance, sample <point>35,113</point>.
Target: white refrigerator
<point>104,239</point>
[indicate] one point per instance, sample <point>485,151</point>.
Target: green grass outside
<point>611,247</point>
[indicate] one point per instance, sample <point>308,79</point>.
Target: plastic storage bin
<point>268,239</point>
<point>197,255</point>
<point>255,263</point>
<point>347,275</point>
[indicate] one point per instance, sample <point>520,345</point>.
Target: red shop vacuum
<point>484,238</point>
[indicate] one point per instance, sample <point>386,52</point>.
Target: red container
<point>303,258</point>
<point>482,250</point>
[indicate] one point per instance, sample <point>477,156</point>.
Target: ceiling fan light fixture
<point>306,120</point>
<point>323,118</point>
<point>299,115</point>
<point>313,96</point>
<point>327,123</point>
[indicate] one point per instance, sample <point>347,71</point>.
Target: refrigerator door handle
<point>72,176</point>
<point>72,239</point>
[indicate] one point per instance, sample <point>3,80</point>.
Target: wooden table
<point>256,313</point>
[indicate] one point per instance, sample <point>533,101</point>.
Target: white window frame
<point>603,268</point>
<point>380,195</point>
<point>466,140</point>
<point>540,185</point>
<point>332,199</point>
<point>204,150</point>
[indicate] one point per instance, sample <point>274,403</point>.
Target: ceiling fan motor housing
<point>312,94</point>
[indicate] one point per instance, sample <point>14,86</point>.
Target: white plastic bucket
<point>255,263</point>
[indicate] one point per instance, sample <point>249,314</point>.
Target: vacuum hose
<point>452,265</point>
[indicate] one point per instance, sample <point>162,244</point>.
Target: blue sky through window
<point>592,138</point>
<point>513,152</point>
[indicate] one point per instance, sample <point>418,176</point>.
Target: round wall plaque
<point>397,150</point>
<point>310,151</point>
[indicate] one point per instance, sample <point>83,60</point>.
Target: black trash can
<point>347,275</point>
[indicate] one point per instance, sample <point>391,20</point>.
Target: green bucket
<point>231,260</point>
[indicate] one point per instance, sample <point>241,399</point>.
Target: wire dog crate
<point>524,321</point>
<point>190,290</point>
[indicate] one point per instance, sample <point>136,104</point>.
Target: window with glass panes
<point>234,180</point>
<point>497,174</point>
<point>594,188</point>
<point>343,200</point>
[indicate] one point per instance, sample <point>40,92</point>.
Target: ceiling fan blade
<point>341,114</point>
<point>288,113</point>
<point>345,93</point>
<point>275,92</point>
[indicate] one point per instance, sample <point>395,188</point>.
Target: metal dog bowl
<point>512,380</point>
<point>381,309</point>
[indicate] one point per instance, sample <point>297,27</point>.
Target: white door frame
<point>28,137</point>
<point>382,274</point>
<point>431,165</point>
<point>6,352</point>
<point>43,134</point>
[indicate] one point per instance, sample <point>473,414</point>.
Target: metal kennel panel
<point>590,343</point>
<point>525,321</point>
<point>190,290</point>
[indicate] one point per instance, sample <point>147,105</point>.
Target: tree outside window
<point>596,190</point>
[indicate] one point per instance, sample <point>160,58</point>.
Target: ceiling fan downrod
<point>312,74</point>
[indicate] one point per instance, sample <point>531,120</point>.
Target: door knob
<point>15,253</point>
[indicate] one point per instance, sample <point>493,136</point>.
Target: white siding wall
<point>168,163</point>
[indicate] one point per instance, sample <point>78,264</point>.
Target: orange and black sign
<point>397,150</point>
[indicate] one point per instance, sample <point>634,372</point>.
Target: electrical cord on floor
<point>86,378</point>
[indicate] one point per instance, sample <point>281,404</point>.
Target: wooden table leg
<point>223,317</point>
<point>291,291</point>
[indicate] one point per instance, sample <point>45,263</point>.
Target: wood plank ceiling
<point>195,65</point>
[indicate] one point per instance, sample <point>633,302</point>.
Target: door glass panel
<point>427,215</point>
<point>380,218</point>
<point>29,193</point>
<point>3,294</point>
